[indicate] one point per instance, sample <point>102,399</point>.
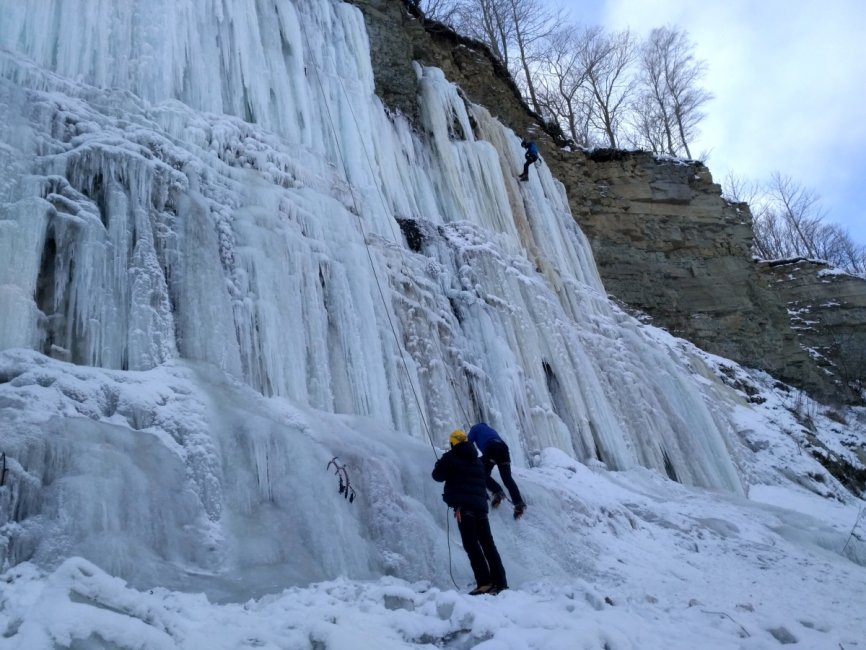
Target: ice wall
<point>205,184</point>
<point>217,182</point>
<point>180,477</point>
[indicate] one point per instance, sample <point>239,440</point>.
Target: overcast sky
<point>789,80</point>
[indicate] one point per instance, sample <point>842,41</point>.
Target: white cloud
<point>789,80</point>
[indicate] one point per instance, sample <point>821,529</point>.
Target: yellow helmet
<point>457,436</point>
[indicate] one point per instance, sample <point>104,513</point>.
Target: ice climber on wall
<point>531,156</point>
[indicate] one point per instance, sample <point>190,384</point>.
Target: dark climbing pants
<point>496,454</point>
<point>478,543</point>
<point>529,160</point>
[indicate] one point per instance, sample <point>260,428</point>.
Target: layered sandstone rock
<point>827,310</point>
<point>667,244</point>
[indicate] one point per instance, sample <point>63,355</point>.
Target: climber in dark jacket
<point>494,452</point>
<point>466,492</point>
<point>531,156</point>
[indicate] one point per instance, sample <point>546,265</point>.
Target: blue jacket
<point>532,150</point>
<point>482,435</point>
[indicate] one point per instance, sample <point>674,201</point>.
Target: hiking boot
<point>519,509</point>
<point>481,589</point>
<point>497,499</point>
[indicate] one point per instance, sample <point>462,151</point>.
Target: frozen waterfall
<point>206,205</point>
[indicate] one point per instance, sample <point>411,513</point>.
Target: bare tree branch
<point>671,97</point>
<point>561,80</point>
<point>788,221</point>
<point>532,23</point>
<point>443,11</point>
<point>607,59</point>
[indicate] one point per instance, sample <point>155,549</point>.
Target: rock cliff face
<point>827,310</point>
<point>665,242</point>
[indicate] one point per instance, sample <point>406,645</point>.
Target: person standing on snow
<point>465,491</point>
<point>531,156</point>
<point>494,452</point>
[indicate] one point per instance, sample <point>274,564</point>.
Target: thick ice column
<point>151,322</point>
<point>22,236</point>
<point>114,296</point>
<point>22,227</point>
<point>198,286</point>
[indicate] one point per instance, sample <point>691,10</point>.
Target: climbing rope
<point>394,234</point>
<point>378,283</point>
<point>457,397</point>
<point>448,537</point>
<point>369,253</point>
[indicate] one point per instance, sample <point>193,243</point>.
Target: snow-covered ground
<point>663,567</point>
<point>601,560</point>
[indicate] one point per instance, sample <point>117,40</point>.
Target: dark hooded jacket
<point>464,477</point>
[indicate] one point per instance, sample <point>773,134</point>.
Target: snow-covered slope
<point>654,564</point>
<point>223,264</point>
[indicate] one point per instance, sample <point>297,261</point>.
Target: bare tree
<point>514,30</point>
<point>739,189</point>
<point>487,21</point>
<point>531,23</point>
<point>561,83</point>
<point>788,220</point>
<point>646,125</point>
<point>670,78</point>
<point>802,213</point>
<point>856,254</point>
<point>443,11</point>
<point>607,59</point>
